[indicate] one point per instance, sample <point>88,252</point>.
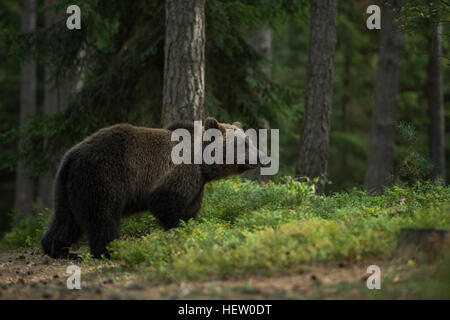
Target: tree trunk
<point>24,185</point>
<point>436,102</point>
<point>54,101</point>
<point>184,65</point>
<point>314,135</point>
<point>381,153</point>
<point>261,41</point>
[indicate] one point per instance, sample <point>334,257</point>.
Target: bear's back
<point>137,155</point>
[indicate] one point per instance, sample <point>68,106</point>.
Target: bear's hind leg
<point>62,233</point>
<point>100,233</point>
<point>100,220</point>
<point>194,207</point>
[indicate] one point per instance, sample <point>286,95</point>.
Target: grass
<point>247,229</point>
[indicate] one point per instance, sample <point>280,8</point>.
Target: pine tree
<point>436,101</point>
<point>24,185</point>
<point>381,154</point>
<point>314,135</point>
<point>184,63</point>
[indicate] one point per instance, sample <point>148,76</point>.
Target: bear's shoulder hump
<point>180,124</point>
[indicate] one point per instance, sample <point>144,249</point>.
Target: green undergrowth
<point>27,232</point>
<point>247,229</point>
<point>250,229</point>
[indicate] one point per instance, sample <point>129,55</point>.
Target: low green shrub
<point>247,229</point>
<point>27,233</point>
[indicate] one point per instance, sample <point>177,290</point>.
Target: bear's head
<point>239,152</point>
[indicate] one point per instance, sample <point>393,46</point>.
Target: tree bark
<point>24,185</point>
<point>315,130</point>
<point>184,65</point>
<point>436,102</point>
<point>55,100</point>
<point>261,41</point>
<point>381,153</point>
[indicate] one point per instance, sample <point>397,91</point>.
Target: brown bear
<point>121,170</point>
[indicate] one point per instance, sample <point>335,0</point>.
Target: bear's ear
<point>211,123</point>
<point>239,125</point>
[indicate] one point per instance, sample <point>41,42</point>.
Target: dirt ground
<point>32,275</point>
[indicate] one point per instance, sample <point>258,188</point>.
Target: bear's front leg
<point>168,207</point>
<point>194,206</point>
<point>179,193</point>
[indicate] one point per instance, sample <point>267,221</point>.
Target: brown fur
<point>121,170</point>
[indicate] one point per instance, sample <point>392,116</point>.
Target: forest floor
<point>29,274</point>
